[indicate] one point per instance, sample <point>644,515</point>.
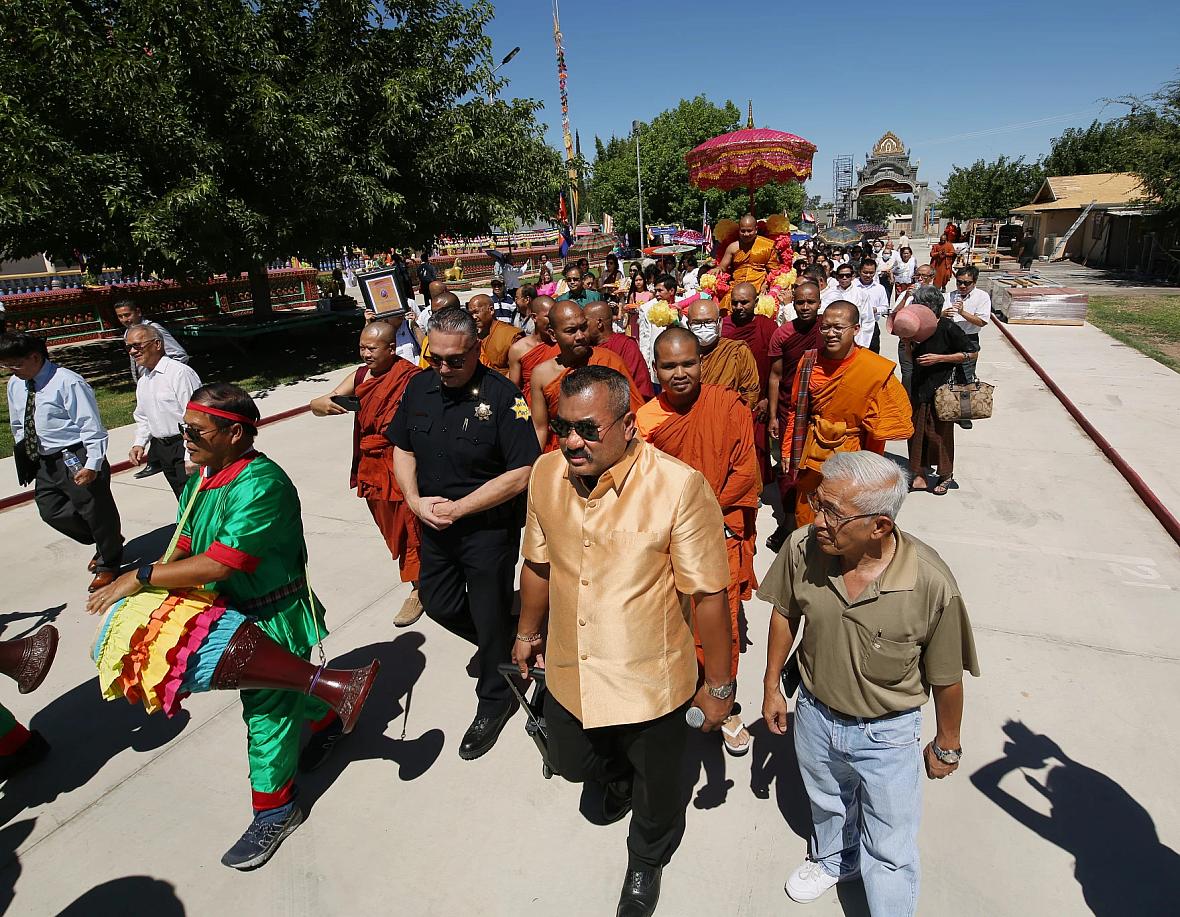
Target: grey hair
<point>880,484</point>
<point>453,321</point>
<point>581,380</point>
<point>152,334</point>
<point>931,297</point>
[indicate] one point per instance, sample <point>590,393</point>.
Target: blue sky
<point>955,85</point>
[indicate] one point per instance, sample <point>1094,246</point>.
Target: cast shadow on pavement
<point>148,547</point>
<point>11,837</point>
<point>402,664</point>
<point>84,732</point>
<point>34,620</point>
<point>129,895</point>
<point>1094,820</point>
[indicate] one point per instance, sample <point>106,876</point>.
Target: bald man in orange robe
<point>571,330</point>
<point>495,337</point>
<point>530,351</point>
<point>854,402</point>
<point>600,315</point>
<point>379,386</point>
<point>750,259</point>
<point>710,428</point>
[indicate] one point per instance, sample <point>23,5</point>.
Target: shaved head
<point>748,220</point>
<point>845,309</point>
<point>379,331</point>
<point>436,288</point>
<point>541,307</point>
<point>703,310</point>
<point>676,336</point>
<point>571,330</point>
<point>601,317</point>
<point>677,358</point>
<point>743,299</point>
<point>378,340</point>
<point>444,300</point>
<point>564,311</point>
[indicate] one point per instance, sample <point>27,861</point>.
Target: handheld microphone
<point>694,717</point>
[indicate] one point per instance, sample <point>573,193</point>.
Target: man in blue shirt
<point>61,445</point>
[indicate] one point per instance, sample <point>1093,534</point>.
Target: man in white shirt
<point>970,308</point>
<point>842,290</point>
<point>873,302</point>
<point>161,396</point>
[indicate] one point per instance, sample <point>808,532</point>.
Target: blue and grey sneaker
<point>263,837</point>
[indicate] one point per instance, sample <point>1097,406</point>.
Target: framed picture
<point>380,293</point>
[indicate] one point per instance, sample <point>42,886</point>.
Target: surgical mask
<point>706,334</point>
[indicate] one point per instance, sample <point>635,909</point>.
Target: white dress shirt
<point>903,271</point>
<point>977,303</point>
<point>172,348</point>
<point>874,302</point>
<point>65,412</point>
<point>161,396</point>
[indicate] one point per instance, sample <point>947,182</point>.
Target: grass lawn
<point>271,361</point>
<point>1150,324</point>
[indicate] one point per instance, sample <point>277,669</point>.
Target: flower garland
<point>716,283</point>
<point>766,306</point>
<point>661,314</point>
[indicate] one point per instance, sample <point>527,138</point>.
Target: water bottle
<point>72,462</point>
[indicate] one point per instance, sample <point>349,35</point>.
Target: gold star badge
<point>483,411</point>
<point>521,410</point>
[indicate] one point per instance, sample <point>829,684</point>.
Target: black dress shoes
<point>481,735</point>
<point>778,538</point>
<point>641,893</point>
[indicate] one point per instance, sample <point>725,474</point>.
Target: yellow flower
<point>661,314</point>
<point>766,306</point>
<point>786,280</point>
<point>708,282</point>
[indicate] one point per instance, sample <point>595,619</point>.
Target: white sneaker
<point>809,882</point>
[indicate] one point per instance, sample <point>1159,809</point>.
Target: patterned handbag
<point>963,401</point>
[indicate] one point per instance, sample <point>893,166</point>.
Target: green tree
<point>1153,148</point>
<point>1101,147</point>
<point>877,208</point>
<point>190,138</point>
<point>667,195</point>
<point>990,189</point>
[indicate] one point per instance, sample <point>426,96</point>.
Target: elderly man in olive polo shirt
<point>886,625</point>
<point>618,538</point>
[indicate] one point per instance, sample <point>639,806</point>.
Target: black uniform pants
<point>466,585</point>
<point>86,514</point>
<point>169,454</point>
<point>652,753</point>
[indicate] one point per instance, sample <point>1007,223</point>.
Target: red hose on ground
<point>27,495</point>
<point>1170,523</point>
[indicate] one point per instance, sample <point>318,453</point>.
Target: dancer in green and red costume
<point>243,536</point>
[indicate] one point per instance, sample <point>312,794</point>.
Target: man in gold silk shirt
<point>619,537</point>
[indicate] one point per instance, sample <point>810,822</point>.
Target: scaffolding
<point>842,187</point>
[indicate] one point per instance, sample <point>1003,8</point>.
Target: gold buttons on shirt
<point>585,656</point>
<point>585,582</point>
<point>592,504</point>
<point>586,543</point>
<point>581,622</point>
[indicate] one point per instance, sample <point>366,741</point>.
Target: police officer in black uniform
<point>465,445</point>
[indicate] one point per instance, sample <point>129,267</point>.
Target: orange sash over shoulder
<point>531,361</point>
<point>600,357</point>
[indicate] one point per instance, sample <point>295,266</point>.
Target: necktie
<point>31,442</point>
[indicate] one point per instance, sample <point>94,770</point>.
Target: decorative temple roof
<point>889,145</point>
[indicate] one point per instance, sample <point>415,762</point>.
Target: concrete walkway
<point>1074,594</point>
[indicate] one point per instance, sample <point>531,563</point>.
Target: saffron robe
<point>731,364</point>
<point>942,259</point>
<point>531,361</point>
<point>856,403</point>
<point>752,266</point>
<point>372,463</point>
<point>716,437</point>
<point>493,349</point>
<point>757,335</point>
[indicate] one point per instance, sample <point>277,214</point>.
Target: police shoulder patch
<point>521,410</point>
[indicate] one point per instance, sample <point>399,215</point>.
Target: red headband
<point>228,415</point>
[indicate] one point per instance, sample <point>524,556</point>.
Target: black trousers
<point>875,344</point>
<point>86,514</point>
<point>169,454</point>
<point>466,585</point>
<point>652,753</point>
<point>905,360</point>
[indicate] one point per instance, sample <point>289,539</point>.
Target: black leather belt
<point>169,440</point>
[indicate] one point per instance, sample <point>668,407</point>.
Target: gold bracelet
<point>529,638</point>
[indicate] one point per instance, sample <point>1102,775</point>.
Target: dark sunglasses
<point>191,433</point>
<point>587,430</point>
<point>455,361</point>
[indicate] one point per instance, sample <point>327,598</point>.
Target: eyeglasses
<point>835,329</point>
<point>194,434</point>
<point>587,430</point>
<point>453,361</point>
<point>964,283</point>
<point>830,517</point>
<point>135,347</point>
<point>844,275</point>
<point>712,322</point>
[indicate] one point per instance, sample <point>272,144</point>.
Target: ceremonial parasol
<point>750,158</point>
<point>689,237</point>
<point>672,249</point>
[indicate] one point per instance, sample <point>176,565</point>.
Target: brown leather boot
<point>253,660</point>
<point>27,661</point>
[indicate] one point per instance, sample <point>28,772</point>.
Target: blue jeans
<point>864,782</point>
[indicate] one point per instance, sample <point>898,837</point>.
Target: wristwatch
<point>947,755</point>
<point>721,692</point>
<point>144,574</point>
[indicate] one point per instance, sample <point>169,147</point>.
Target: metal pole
<point>639,180</point>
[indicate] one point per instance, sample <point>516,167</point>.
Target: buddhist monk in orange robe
<point>600,315</point>
<point>756,332</point>
<point>379,386</point>
<point>530,351</point>
<point>748,260</point>
<point>942,259</point>
<point>495,337</point>
<point>571,330</point>
<point>855,402</point>
<point>710,429</point>
<point>724,361</point>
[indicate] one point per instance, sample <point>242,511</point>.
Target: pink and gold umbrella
<point>750,158</point>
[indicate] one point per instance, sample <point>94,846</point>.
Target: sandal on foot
<point>943,486</point>
<point>731,731</point>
